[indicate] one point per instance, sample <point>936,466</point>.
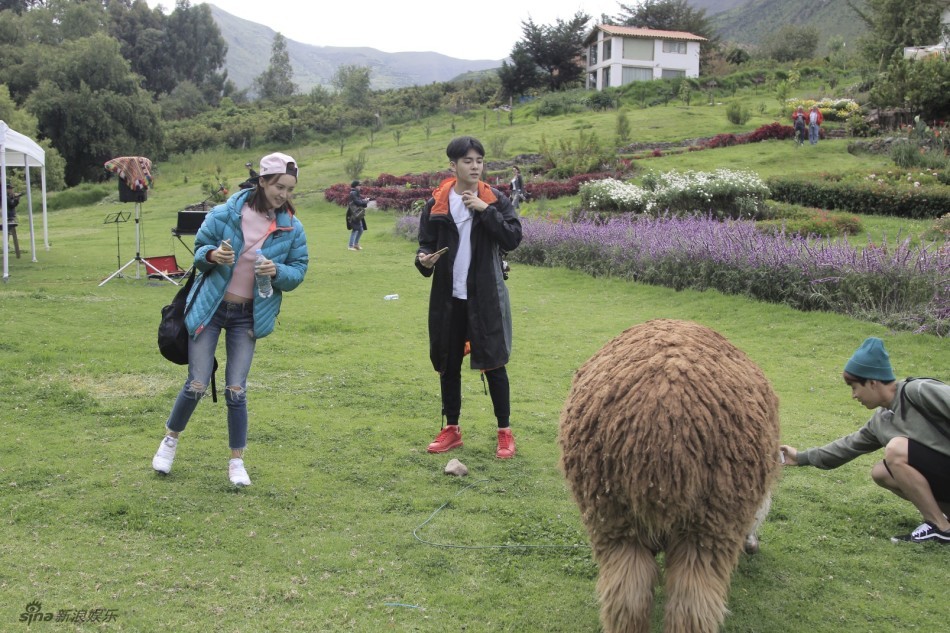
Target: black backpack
<point>173,335</point>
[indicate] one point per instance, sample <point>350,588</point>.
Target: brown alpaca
<point>669,441</point>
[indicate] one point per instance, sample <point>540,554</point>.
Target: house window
<point>669,73</point>
<point>592,81</point>
<point>674,47</point>
<point>635,73</point>
<point>592,55</point>
<point>638,48</point>
<point>606,77</point>
<point>607,47</point>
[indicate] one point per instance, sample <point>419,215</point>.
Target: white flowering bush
<point>724,193</point>
<point>611,194</point>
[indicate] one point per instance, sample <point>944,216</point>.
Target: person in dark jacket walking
<point>13,200</point>
<point>356,216</point>
<point>463,228</point>
<point>798,119</point>
<point>517,187</point>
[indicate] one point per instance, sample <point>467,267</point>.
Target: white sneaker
<point>165,455</point>
<point>237,474</point>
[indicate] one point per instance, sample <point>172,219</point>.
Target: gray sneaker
<point>237,474</point>
<point>165,455</point>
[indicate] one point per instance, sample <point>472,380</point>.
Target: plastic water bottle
<point>391,297</point>
<point>264,288</point>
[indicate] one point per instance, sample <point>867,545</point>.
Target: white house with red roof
<point>619,55</point>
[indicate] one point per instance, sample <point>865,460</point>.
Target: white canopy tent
<point>17,150</point>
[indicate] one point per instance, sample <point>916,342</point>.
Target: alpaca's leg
<point>751,545</point>
<point>628,574</point>
<point>697,581</point>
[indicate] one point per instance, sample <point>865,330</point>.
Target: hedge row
<point>862,197</point>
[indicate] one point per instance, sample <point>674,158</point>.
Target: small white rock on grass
<point>457,468</point>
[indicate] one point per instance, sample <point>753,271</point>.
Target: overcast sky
<point>414,25</point>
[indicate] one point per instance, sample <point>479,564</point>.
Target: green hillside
<point>751,22</point>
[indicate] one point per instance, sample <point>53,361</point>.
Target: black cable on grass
<point>415,531</point>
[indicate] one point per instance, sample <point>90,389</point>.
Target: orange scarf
<point>441,195</point>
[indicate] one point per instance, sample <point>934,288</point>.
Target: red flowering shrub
<point>399,192</point>
<point>721,140</point>
<point>770,131</point>
<point>763,133</point>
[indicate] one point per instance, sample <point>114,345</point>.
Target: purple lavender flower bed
<point>899,285</point>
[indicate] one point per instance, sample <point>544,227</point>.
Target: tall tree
<point>168,50</point>
<point>195,44</point>
<point>90,104</point>
<point>895,24</point>
<point>352,83</point>
<point>24,122</point>
<point>276,82</point>
<point>142,37</point>
<point>19,6</point>
<point>557,48</point>
<point>521,75</point>
<point>672,15</point>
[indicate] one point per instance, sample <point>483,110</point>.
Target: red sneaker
<point>448,438</point>
<point>506,444</point>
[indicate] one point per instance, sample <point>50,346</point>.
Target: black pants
<point>451,379</point>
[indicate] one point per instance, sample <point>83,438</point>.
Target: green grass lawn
<point>342,403</point>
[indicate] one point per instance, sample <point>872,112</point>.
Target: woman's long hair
<point>258,201</point>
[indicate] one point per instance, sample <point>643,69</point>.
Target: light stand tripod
<point>138,259</point>
<point>117,218</point>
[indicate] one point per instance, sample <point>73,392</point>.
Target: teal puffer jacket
<point>285,245</point>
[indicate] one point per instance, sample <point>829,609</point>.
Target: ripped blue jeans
<point>237,320</point>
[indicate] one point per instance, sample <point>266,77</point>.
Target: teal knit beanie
<point>871,361</point>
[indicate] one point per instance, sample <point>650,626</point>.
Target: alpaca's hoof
<point>751,544</point>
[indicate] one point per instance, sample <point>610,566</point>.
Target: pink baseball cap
<point>278,163</point>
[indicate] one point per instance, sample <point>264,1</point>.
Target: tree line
<point>93,74</point>
<point>96,79</point>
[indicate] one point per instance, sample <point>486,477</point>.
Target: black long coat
<point>356,200</point>
<point>495,229</point>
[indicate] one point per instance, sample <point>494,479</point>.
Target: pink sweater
<point>255,227</point>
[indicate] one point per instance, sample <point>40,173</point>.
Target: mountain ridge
<point>249,51</point>
<point>742,22</point>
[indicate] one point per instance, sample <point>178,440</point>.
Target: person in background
<point>517,187</point>
<point>911,422</point>
<point>224,297</point>
<point>13,200</point>
<point>462,230</point>
<point>798,120</point>
<point>814,124</point>
<point>356,216</point>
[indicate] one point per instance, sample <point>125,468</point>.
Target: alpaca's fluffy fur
<point>669,441</point>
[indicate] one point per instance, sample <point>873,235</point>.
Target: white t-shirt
<point>463,256</point>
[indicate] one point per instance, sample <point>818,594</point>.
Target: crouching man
<point>911,423</point>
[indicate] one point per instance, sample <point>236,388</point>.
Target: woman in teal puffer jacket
<point>224,297</point>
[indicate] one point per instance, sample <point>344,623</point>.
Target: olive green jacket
<point>897,420</point>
